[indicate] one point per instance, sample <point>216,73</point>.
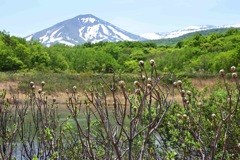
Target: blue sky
<point>23,17</point>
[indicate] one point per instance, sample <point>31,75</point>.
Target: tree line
<point>192,55</point>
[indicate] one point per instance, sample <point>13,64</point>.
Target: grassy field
<point>56,84</point>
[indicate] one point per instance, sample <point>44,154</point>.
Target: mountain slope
<point>181,32</point>
<point>172,41</point>
<point>81,29</point>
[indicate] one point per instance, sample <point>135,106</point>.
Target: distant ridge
<point>190,29</point>
<point>172,41</point>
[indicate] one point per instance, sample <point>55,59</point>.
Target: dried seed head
<point>135,109</point>
<point>137,91</point>
<point>179,116</point>
<point>31,83</point>
<point>189,93</point>
<point>136,84</point>
<point>234,75</point>
<point>141,63</point>
<point>238,145</point>
<point>184,116</point>
<point>222,72</point>
<point>39,91</point>
<point>187,102</point>
<point>152,62</point>
<point>179,83</point>
<point>213,116</point>
<point>175,84</point>
<point>149,80</point>
<point>199,104</point>
<point>54,99</point>
<point>43,83</point>
<point>121,84</point>
<point>143,78</point>
<point>74,89</point>
<point>149,86</point>
<point>33,87</point>
<point>233,69</point>
<point>183,93</point>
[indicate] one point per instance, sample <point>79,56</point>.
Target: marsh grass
<point>58,82</point>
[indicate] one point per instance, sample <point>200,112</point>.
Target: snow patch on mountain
<point>67,43</point>
<point>29,38</point>
<point>120,35</point>
<point>90,34</point>
<point>86,20</point>
<point>231,26</point>
<point>152,36</point>
<point>105,30</point>
<point>44,38</point>
<point>55,32</point>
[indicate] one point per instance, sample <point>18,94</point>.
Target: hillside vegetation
<point>194,55</point>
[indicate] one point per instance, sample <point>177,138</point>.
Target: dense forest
<point>196,54</point>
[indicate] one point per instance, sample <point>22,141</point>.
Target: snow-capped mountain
<point>88,28</point>
<point>81,29</point>
<point>190,29</point>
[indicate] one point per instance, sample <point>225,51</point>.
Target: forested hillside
<point>196,54</point>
